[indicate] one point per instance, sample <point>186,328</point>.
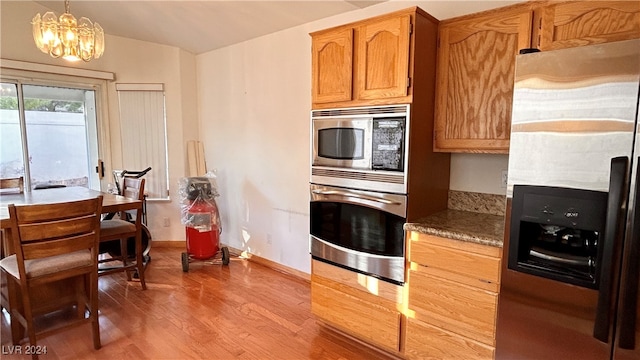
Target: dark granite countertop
<point>486,229</point>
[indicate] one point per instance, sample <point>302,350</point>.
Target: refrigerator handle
<point>611,234</point>
<point>629,292</point>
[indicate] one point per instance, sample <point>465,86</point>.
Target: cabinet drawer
<point>357,317</point>
<point>466,262</point>
<point>424,341</point>
<point>461,309</point>
<point>353,282</point>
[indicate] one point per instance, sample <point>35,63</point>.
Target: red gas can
<point>203,238</point>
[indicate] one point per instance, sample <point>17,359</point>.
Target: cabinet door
<point>476,63</point>
<point>383,58</point>
<point>331,66</point>
<point>582,23</point>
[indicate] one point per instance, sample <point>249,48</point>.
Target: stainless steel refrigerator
<point>570,275</point>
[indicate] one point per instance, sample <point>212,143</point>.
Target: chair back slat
<point>38,250</point>
<point>12,185</point>
<point>133,188</point>
<point>47,230</point>
<point>55,211</point>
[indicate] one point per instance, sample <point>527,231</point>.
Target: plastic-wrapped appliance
<point>201,218</point>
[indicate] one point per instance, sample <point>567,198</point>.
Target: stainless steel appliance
<point>361,148</point>
<point>569,285</point>
<point>359,230</point>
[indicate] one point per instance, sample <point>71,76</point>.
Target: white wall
<point>132,61</point>
<point>254,103</point>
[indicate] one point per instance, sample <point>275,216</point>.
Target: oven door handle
<point>354,195</point>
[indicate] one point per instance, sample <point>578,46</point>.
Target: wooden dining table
<point>110,203</point>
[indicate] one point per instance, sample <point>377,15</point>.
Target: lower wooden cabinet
<point>452,298</point>
<point>424,341</point>
<point>358,305</point>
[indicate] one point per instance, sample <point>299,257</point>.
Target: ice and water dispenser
<point>557,233</point>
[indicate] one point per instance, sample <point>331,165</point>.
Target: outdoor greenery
<point>11,103</point>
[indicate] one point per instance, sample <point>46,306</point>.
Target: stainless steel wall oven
<point>359,230</point>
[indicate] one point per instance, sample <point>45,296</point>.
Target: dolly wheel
<point>225,255</point>
<point>185,262</point>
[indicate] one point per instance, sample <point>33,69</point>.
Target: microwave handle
<point>354,195</point>
<point>617,180</point>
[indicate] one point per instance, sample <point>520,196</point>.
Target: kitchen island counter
<point>480,228</point>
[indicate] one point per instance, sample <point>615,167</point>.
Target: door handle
<point>354,195</point>
<point>628,308</point>
<point>612,234</point>
<point>100,168</point>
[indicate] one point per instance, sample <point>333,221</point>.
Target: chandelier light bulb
<point>66,37</point>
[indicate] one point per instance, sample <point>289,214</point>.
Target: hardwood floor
<point>241,311</point>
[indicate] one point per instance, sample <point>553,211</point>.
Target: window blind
<point>144,136</point>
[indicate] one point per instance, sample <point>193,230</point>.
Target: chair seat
<point>109,228</point>
<point>49,265</point>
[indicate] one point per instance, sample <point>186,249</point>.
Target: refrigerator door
<point>574,110</point>
<point>627,342</point>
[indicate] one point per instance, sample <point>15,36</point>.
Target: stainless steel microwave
<point>362,148</point>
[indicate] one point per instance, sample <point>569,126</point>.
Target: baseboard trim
<point>237,252</point>
<point>168,244</point>
<point>271,264</point>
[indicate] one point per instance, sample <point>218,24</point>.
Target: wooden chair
<point>12,185</point>
<point>121,230</point>
<point>56,249</point>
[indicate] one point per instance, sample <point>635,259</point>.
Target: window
<point>144,136</point>
<point>48,133</point>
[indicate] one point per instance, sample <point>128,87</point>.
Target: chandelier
<point>66,37</point>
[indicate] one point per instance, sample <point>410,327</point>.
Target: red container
<point>203,240</point>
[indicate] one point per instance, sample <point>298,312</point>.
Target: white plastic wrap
<point>197,203</point>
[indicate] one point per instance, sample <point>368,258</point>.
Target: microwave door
<point>343,143</point>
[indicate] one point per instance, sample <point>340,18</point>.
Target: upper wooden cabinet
<point>579,23</point>
<point>369,62</point>
<point>383,58</point>
<point>475,73</point>
<point>476,62</point>
<point>331,66</point>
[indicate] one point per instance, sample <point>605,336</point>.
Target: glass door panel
<point>11,160</point>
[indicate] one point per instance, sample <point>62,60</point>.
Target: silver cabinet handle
<point>354,195</point>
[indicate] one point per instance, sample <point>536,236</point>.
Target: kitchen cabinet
<point>474,86</point>
<point>452,298</point>
<point>370,62</point>
<point>383,58</point>
<point>579,23</point>
<point>357,305</point>
<point>476,59</point>
<point>331,66</point>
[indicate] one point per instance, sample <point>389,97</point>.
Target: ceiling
<point>201,26</point>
